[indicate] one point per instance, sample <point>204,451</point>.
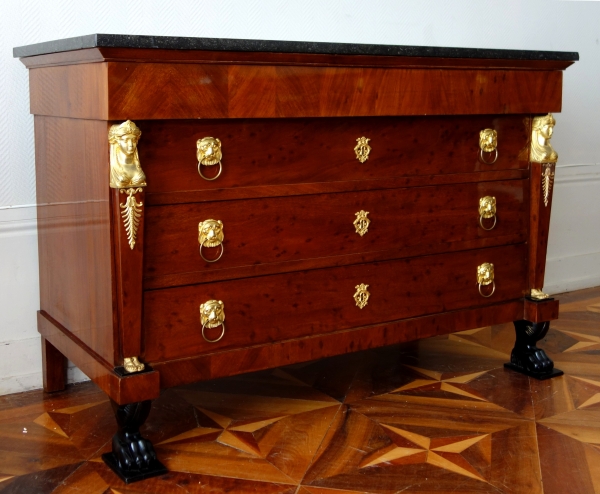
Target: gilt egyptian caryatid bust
<point>125,168</point>
<point>541,132</point>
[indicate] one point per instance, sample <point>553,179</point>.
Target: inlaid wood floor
<point>437,415</point>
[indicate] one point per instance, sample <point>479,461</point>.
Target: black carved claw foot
<point>132,457</point>
<point>526,357</point>
<point>132,451</point>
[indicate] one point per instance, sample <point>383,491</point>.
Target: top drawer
<point>258,152</point>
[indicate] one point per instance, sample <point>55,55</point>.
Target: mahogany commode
<point>210,207</point>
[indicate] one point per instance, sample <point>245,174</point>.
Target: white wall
<point>574,251</point>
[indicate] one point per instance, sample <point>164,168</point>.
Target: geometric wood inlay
<point>452,420</point>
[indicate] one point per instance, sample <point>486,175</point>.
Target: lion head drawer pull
<point>361,223</point>
<point>210,234</point>
<point>361,297</point>
<point>209,153</point>
<point>362,149</point>
<point>488,143</point>
<point>485,277</point>
<point>212,315</point>
<point>487,210</point>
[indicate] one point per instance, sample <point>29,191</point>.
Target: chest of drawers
<point>212,207</point>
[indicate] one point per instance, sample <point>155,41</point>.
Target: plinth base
<point>538,376</point>
<point>155,469</point>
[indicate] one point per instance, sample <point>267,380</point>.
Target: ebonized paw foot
<point>526,357</point>
<point>133,457</point>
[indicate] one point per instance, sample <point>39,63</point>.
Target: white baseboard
<point>573,260</point>
<point>567,274</point>
<point>21,366</point>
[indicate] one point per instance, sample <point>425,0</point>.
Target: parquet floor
<point>439,415</point>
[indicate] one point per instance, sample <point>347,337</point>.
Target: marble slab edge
<point>256,45</point>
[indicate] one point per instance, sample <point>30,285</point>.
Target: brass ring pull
<point>217,339</point>
<point>488,143</point>
<point>483,160</point>
<point>481,223</point>
<point>214,260</point>
<point>212,315</point>
<point>493,290</point>
<point>485,277</point>
<point>210,179</point>
<point>210,234</point>
<point>487,210</point>
<point>209,153</point>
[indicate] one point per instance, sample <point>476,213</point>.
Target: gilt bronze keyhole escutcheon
<point>362,149</point>
<point>361,296</point>
<point>361,223</point>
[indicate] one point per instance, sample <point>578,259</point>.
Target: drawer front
<point>279,307</point>
<point>407,221</point>
<point>259,152</point>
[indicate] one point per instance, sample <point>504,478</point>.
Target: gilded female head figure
<point>125,168</point>
<point>541,133</point>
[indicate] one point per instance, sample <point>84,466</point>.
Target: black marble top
<point>256,45</point>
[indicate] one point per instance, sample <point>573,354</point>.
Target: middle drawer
<point>274,230</point>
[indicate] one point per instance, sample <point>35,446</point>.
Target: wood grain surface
<point>540,310</point>
<point>268,152</point>
<point>123,390</point>
<point>129,265</point>
<point>276,230</point>
<point>238,361</point>
<point>54,365</point>
<point>286,306</point>
<point>539,221</point>
<point>149,91</point>
<point>74,237</point>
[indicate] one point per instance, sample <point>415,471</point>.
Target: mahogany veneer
<point>290,187</point>
<point>260,152</point>
<point>275,230</point>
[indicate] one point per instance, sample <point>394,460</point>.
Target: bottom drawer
<point>291,305</point>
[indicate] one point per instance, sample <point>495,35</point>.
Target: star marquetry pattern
<point>59,421</point>
<point>586,342</point>
<point>228,432</point>
<point>444,452</point>
<point>437,382</point>
<point>595,398</point>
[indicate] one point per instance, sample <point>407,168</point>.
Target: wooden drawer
<point>293,305</point>
<point>406,222</point>
<point>263,152</point>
